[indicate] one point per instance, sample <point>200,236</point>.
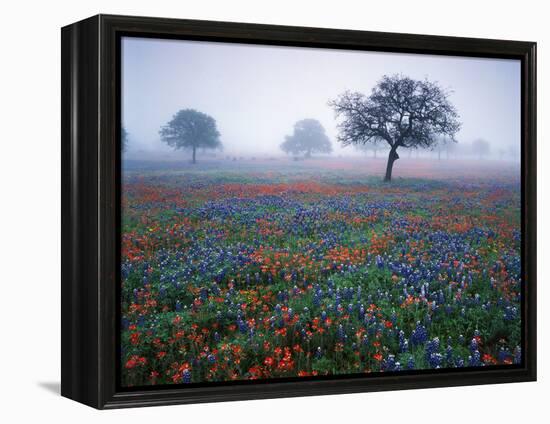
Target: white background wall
<point>30,212</point>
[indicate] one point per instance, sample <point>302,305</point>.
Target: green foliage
<point>309,137</point>
<point>191,129</point>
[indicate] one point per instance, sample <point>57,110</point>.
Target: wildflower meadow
<point>249,269</point>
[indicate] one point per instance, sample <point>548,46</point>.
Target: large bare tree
<point>400,111</point>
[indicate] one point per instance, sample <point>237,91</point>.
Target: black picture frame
<point>90,138</point>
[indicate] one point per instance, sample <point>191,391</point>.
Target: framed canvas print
<point>254,211</point>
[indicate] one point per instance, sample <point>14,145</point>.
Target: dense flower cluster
<point>232,275</point>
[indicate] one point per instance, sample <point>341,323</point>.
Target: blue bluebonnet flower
<point>162,292</point>
<point>341,332</point>
<point>243,327</point>
<point>433,356</point>
<point>316,300</point>
<point>141,321</point>
<point>435,360</point>
<point>510,313</point>
<point>503,355</point>
<point>186,376</point>
<point>403,342</point>
<point>474,360</point>
<point>347,293</point>
<point>419,335</point>
<point>319,353</point>
<point>388,364</point>
<point>517,355</point>
<point>338,299</point>
<point>393,318</point>
<point>449,354</point>
<point>474,345</point>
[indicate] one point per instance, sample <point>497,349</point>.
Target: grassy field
<point>254,269</point>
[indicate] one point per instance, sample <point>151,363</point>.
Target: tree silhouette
<point>481,147</point>
<point>443,144</point>
<point>308,137</point>
<point>191,129</point>
<point>374,147</point>
<point>123,138</point>
<point>400,111</point>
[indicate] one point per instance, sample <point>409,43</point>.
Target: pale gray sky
<point>256,93</point>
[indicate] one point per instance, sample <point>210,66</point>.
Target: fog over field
<point>257,93</point>
<point>266,249</point>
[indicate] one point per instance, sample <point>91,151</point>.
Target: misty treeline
<point>400,113</point>
<point>444,150</point>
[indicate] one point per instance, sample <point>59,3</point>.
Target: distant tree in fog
<point>308,137</point>
<point>400,111</point>
<point>370,147</point>
<point>481,148</point>
<point>123,138</point>
<point>444,145</point>
<point>451,148</point>
<point>191,129</point>
<point>514,151</point>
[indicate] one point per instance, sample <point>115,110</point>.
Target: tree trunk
<point>308,154</point>
<point>393,156</point>
<point>194,154</point>
<point>439,155</point>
